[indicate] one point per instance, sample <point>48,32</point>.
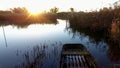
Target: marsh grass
<point>22,19</point>
<point>41,56</point>
<point>101,22</point>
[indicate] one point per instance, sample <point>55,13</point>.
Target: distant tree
<point>54,10</point>
<point>19,10</point>
<point>72,9</point>
<point>117,4</point>
<point>105,9</point>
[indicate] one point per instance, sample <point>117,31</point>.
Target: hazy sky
<point>38,5</point>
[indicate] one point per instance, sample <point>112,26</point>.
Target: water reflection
<point>26,24</point>
<point>114,55</point>
<point>26,43</point>
<point>111,51</point>
<point>41,56</point>
<point>4,36</point>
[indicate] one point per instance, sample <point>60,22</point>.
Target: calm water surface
<point>20,46</point>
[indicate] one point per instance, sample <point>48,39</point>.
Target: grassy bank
<point>106,22</point>
<point>23,20</point>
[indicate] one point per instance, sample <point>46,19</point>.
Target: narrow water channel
<point>18,45</point>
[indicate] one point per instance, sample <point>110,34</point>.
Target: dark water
<point>39,45</point>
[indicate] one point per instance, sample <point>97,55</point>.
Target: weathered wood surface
<point>76,58</point>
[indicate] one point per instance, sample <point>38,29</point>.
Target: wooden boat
<point>76,56</point>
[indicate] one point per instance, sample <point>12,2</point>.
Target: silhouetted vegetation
<point>21,16</point>
<point>54,10</point>
<point>98,25</point>
<point>72,9</point>
<point>24,20</point>
<point>106,21</point>
<point>19,10</point>
<point>40,55</point>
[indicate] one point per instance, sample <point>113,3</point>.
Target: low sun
<point>34,10</point>
<point>36,6</point>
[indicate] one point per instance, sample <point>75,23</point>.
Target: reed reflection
<point>4,36</point>
<point>111,49</point>
<point>114,55</point>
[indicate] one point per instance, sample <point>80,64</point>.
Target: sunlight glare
<point>33,10</point>
<point>35,7</point>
